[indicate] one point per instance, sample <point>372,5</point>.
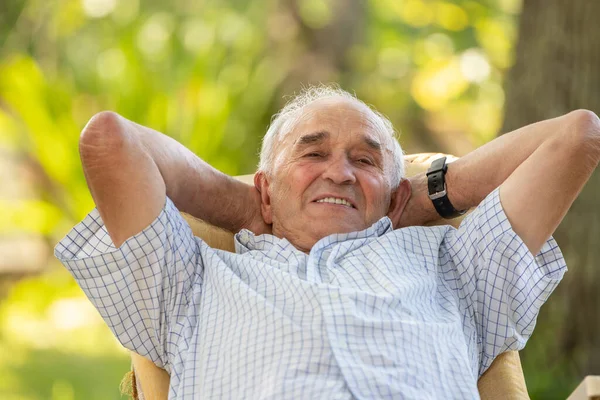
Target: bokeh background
<point>450,74</point>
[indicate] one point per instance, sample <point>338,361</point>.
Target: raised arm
<point>130,169</point>
<point>542,167</point>
<point>538,194</point>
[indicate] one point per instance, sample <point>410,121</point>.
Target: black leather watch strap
<point>436,185</point>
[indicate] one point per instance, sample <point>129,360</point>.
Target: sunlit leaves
<point>438,83</point>
<point>474,65</point>
<point>154,35</point>
<point>394,62</point>
<point>32,216</point>
<point>497,37</point>
<point>69,18</point>
<point>316,13</point>
<point>24,89</point>
<point>126,11</point>
<point>454,48</point>
<point>510,6</point>
<point>98,8</point>
<point>450,16</point>
<point>52,341</point>
<point>9,137</point>
<point>433,48</point>
<point>416,13</point>
<point>197,35</point>
<point>111,64</point>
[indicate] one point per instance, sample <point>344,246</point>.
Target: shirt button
<point>335,295</point>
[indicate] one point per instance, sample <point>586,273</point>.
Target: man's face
<point>330,175</point>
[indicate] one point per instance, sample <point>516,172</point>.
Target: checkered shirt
<point>412,313</point>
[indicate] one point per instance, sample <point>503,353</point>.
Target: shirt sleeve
<point>143,288</point>
<point>500,283</point>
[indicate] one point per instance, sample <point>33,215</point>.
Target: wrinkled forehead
<point>342,118</point>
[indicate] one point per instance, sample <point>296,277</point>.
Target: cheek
<point>301,177</point>
<point>285,192</point>
<point>278,193</point>
<point>378,194</point>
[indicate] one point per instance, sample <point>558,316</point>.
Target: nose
<point>340,171</point>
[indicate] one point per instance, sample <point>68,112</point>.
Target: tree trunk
<point>557,70</point>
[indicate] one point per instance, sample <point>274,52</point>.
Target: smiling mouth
<point>335,200</point>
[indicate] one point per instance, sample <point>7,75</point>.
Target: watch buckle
<point>438,195</point>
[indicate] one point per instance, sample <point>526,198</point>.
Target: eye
<point>365,161</point>
<point>313,155</point>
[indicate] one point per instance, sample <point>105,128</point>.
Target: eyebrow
<point>320,136</point>
<point>372,143</point>
<point>312,138</point>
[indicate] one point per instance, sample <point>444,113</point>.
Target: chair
<point>503,380</point>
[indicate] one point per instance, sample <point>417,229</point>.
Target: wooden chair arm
<point>588,389</point>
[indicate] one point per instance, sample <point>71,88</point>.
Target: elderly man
<point>323,297</point>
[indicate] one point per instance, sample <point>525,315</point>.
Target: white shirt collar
<point>246,240</point>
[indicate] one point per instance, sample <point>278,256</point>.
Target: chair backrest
<point>503,380</point>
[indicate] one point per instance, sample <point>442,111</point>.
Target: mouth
<point>340,201</point>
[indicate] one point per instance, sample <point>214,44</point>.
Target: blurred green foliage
<point>210,74</point>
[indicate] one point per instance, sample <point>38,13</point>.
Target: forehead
<point>342,118</point>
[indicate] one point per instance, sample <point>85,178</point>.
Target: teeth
<point>334,200</point>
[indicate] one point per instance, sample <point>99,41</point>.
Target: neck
<point>297,239</point>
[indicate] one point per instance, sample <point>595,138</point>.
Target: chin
<point>342,228</point>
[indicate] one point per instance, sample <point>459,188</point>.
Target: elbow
<point>584,128</point>
<point>105,128</point>
<point>584,134</point>
<point>104,135</point>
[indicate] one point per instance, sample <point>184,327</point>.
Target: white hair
<point>285,121</point>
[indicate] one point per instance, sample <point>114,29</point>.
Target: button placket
<point>312,274</point>
<point>316,270</point>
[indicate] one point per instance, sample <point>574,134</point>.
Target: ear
<point>261,183</point>
<point>399,200</point>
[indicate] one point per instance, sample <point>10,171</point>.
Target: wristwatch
<point>436,185</point>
